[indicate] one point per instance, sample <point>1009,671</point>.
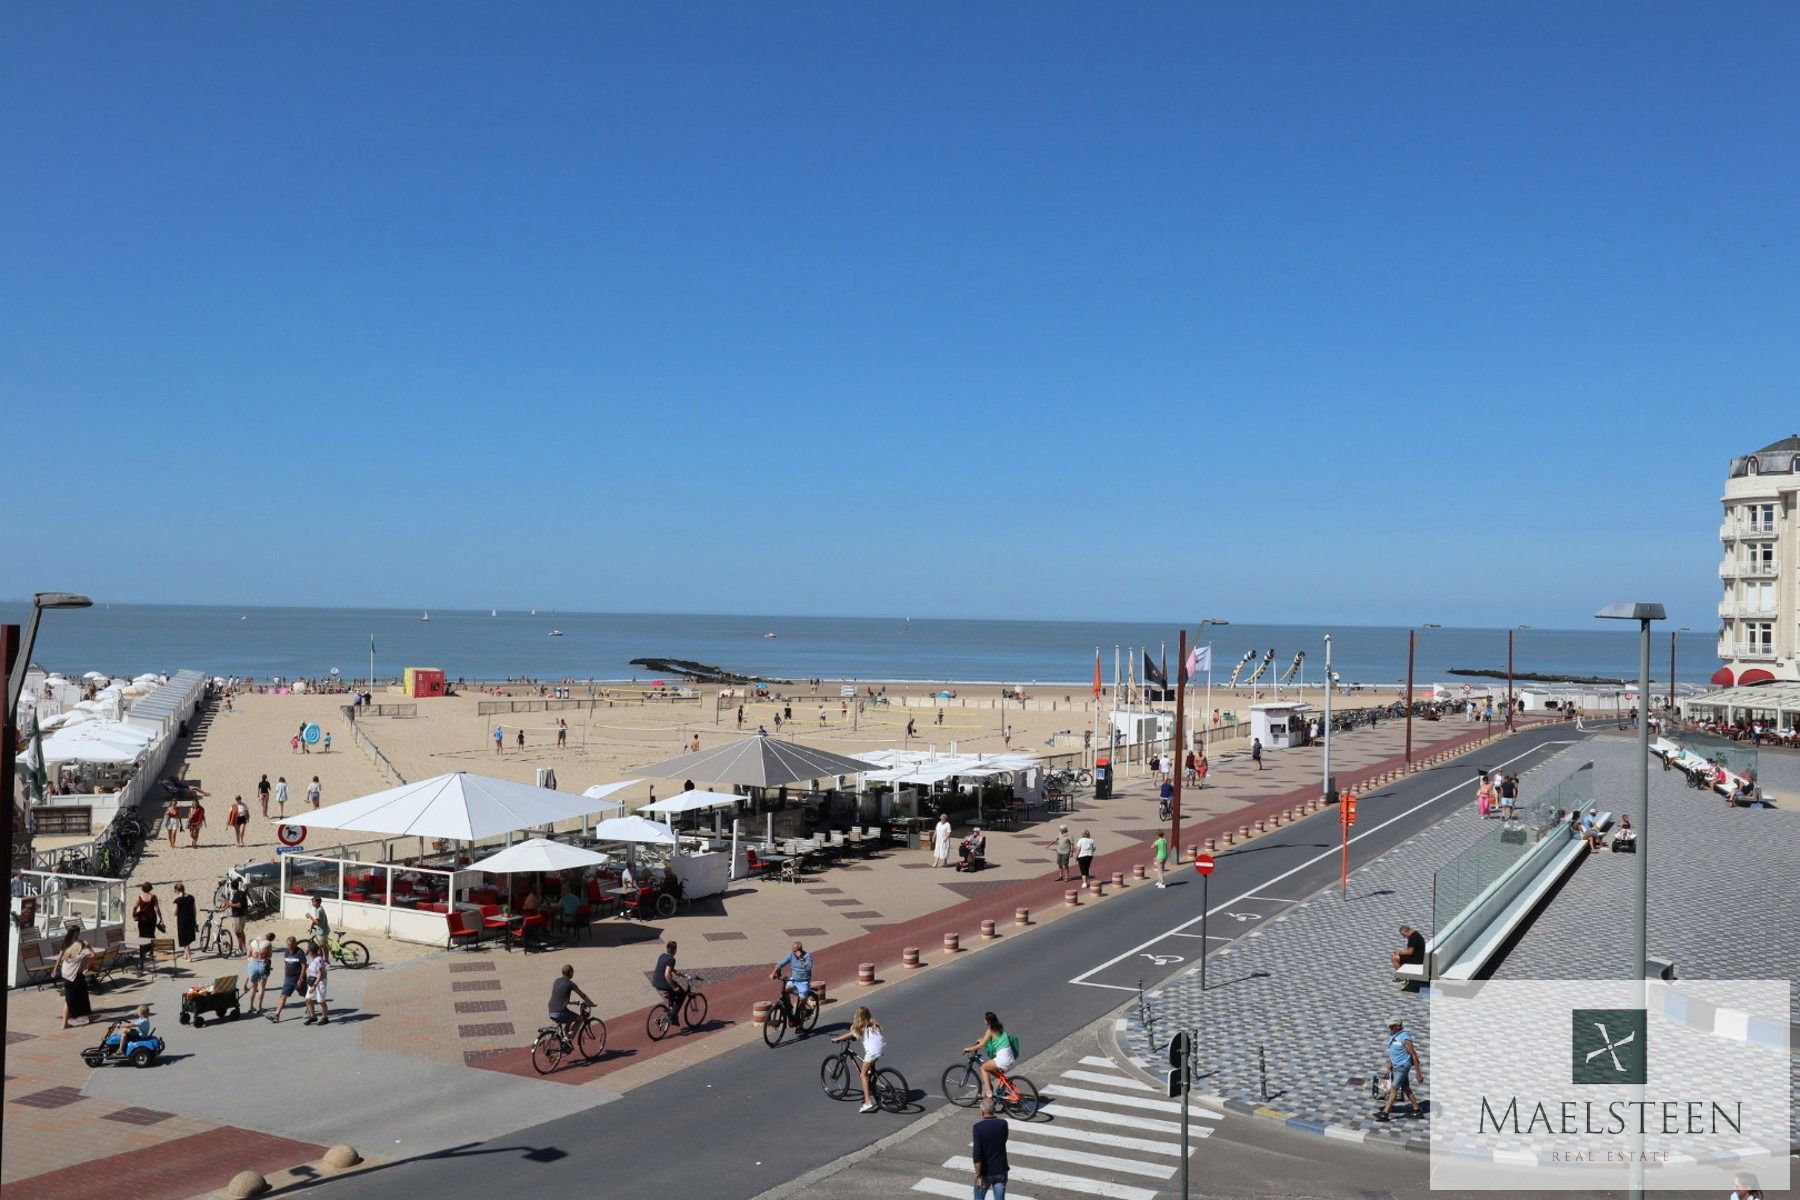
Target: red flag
<point>1097,685</point>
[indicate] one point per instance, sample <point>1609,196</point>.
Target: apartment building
<point>1759,614</point>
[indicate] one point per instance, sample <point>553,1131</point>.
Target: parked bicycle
<point>586,1035</point>
<point>346,952</point>
<point>1013,1094</point>
<point>663,1017</point>
<point>841,1077</point>
<point>785,1014</point>
<point>215,936</point>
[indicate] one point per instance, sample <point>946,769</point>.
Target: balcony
<point>1762,568</point>
<point>1745,529</point>
<point>1764,609</point>
<point>1747,652</point>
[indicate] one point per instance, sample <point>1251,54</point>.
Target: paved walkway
<point>411,1028</point>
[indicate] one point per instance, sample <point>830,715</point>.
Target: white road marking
<point>1118,1142</point>
<point>1056,1179</point>
<point>1075,1112</point>
<point>1075,1093</point>
<point>1211,937</point>
<point>1080,1158</point>
<point>1094,1060</point>
<point>957,1191</point>
<point>1082,978</point>
<point>1121,1081</point>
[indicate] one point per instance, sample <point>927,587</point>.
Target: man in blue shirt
<point>667,980</point>
<point>799,966</point>
<point>1403,1060</point>
<point>989,1152</point>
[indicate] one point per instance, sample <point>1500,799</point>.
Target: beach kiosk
<point>1281,725</point>
<point>423,681</point>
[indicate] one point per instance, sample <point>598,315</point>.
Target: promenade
<point>426,1048</point>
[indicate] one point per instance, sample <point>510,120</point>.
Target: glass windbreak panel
<point>1737,757</point>
<point>1462,880</point>
<point>313,876</point>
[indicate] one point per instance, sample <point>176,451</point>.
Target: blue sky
<point>1312,312</point>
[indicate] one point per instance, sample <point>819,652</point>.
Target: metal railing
<point>1750,568</point>
<point>382,763</point>
<point>1748,608</point>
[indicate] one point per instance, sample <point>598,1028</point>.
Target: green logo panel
<point>1607,1045</point>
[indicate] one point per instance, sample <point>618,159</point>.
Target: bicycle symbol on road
<point>1244,916</point>
<point>1164,960</point>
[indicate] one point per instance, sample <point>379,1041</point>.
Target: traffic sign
<point>290,835</point>
<point>1178,1048</point>
<point>1176,1079</point>
<point>1347,808</point>
<point>1203,862</point>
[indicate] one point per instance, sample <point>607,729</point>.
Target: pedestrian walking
<point>71,973</point>
<point>1065,849</point>
<point>262,949</point>
<point>147,912</point>
<point>520,739</point>
<point>1403,1060</point>
<point>562,733</point>
<point>499,739</point>
<point>1160,852</point>
<point>988,1152</point>
<point>293,975</point>
<point>237,817</point>
<point>172,821</point>
<point>196,822</point>
<point>313,792</point>
<point>187,923</point>
<point>1193,769</point>
<point>327,743</point>
<point>1084,856</point>
<point>940,842</point>
<point>1200,770</point>
<point>281,791</point>
<point>316,973</point>
<point>1256,752</point>
<point>262,794</point>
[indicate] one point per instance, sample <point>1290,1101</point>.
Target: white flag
<point>1199,660</point>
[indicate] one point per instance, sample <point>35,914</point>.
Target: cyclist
<point>565,1019</point>
<point>1001,1049</point>
<point>799,967</point>
<point>318,925</point>
<point>874,1043</point>
<point>668,981</point>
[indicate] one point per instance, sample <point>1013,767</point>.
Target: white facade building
<point>1759,614</point>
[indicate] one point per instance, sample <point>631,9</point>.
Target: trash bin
<point>1103,779</point>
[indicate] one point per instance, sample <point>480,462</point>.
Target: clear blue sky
<point>1312,311</point>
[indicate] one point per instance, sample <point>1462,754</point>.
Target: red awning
<point>1756,675</point>
<point>1723,677</point>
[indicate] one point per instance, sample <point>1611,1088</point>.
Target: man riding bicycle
<point>566,1019</point>
<point>799,967</point>
<point>668,981</point>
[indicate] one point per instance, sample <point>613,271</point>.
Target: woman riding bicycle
<point>874,1043</point>
<point>1000,1048</point>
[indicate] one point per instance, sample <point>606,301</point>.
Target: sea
<point>289,643</point>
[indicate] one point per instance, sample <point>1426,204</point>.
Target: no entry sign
<point>291,835</point>
<point>1203,863</point>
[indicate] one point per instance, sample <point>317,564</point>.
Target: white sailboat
<point>493,612</point>
<point>424,616</point>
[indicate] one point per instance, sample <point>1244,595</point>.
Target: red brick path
<point>183,1167</point>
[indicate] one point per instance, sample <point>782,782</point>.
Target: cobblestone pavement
<point>1309,995</point>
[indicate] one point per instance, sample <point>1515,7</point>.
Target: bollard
<point>245,1184</point>
<point>818,989</point>
<point>1118,879</point>
<point>1275,820</point>
<point>1099,888</point>
<point>1262,825</point>
<point>909,957</point>
<point>1191,851</point>
<point>1138,871</point>
<point>759,1012</point>
<point>952,943</point>
<point>340,1157</point>
<point>1244,832</point>
<point>1021,916</point>
<point>1072,897</point>
<point>865,973</point>
<point>1213,843</point>
<point>1230,838</point>
<point>988,930</point>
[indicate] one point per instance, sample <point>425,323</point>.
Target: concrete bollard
<point>865,973</point>
<point>1138,871</point>
<point>340,1157</point>
<point>1021,916</point>
<point>1244,832</point>
<point>988,930</point>
<point>245,1184</point>
<point>1213,844</point>
<point>1099,889</point>
<point>952,943</point>
<point>909,957</point>
<point>818,989</point>
<point>759,1012</point>
<point>1191,851</point>
<point>1118,877</point>
<point>1072,897</point>
<point>1262,825</point>
<point>1230,838</point>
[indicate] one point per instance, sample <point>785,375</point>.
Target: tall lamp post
<point>1329,792</point>
<point>1673,634</point>
<point>15,661</point>
<point>1412,645</point>
<point>1643,614</point>
<point>1180,755</point>
<point>1509,674</point>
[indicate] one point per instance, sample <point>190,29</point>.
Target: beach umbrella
<point>755,761</point>
<point>92,675</point>
<point>539,855</point>
<point>76,745</point>
<point>692,802</point>
<point>460,805</point>
<point>634,829</point>
<point>599,793</point>
<point>945,696</point>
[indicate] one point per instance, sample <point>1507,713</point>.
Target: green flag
<point>371,643</point>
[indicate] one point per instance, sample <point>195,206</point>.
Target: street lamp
<point>1412,643</point>
<point>1643,614</point>
<point>1329,792</point>
<point>1180,755</point>
<point>1673,633</point>
<point>15,661</point>
<point>1509,674</point>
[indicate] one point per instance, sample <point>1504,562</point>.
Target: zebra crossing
<point>1100,1132</point>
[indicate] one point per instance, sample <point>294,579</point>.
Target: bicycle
<point>662,1017</point>
<point>586,1035</point>
<point>1165,808</point>
<point>802,1017</point>
<point>346,952</point>
<point>263,901</point>
<point>214,934</point>
<point>841,1077</point>
<point>1015,1094</point>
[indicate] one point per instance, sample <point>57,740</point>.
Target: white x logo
<point>1611,1047</point>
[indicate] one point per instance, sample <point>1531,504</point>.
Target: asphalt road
<point>752,1118</point>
